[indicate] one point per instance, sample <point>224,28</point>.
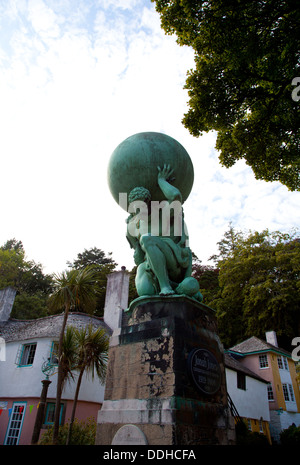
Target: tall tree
<point>246,59</point>
<point>259,287</point>
<point>92,353</point>
<point>103,265</point>
<point>72,288</point>
<point>32,285</point>
<point>207,277</point>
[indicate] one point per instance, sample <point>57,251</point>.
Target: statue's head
<point>139,193</point>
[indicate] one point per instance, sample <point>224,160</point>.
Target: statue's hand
<point>165,173</point>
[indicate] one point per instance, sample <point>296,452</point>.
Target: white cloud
<point>76,78</point>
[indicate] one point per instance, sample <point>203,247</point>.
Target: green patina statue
<point>151,175</point>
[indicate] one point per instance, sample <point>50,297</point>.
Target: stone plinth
<point>153,385</point>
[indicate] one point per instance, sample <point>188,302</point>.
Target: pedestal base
<point>165,381</point>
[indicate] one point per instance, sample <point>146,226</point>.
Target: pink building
<point>276,366</point>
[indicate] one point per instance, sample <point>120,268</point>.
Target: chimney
<point>116,298</point>
<point>7,298</point>
<point>271,338</point>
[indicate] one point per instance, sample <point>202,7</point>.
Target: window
<point>241,380</point>
<point>263,361</point>
<point>288,392</point>
<point>27,354</point>
<point>285,392</point>
<point>249,424</point>
<point>261,427</point>
<point>292,398</point>
<point>270,392</point>
<point>50,413</point>
<point>280,364</point>
<point>54,353</point>
<point>15,424</point>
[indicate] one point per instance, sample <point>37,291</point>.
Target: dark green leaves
<point>246,56</point>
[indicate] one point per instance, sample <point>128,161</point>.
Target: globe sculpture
<point>134,163</point>
<point>155,174</point>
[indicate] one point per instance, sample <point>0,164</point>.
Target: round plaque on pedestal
<point>205,371</point>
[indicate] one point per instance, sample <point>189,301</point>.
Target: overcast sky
<point>77,77</point>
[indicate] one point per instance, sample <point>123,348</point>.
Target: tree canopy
<point>259,286</point>
<point>27,277</point>
<point>246,59</point>
<point>103,265</point>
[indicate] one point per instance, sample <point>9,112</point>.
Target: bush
<point>290,436</point>
<point>244,437</point>
<point>83,433</point>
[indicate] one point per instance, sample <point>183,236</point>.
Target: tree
<point>103,265</point>
<point>68,359</point>
<point>32,285</point>
<point>92,353</point>
<point>259,287</point>
<point>207,277</point>
<point>246,58</point>
<point>72,288</point>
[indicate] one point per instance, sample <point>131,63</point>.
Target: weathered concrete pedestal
<point>166,381</point>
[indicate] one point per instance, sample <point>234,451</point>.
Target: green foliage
<point>83,433</point>
<point>259,285</point>
<point>290,436</point>
<point>207,277</point>
<point>244,437</point>
<point>102,265</point>
<point>74,289</point>
<point>69,356</point>
<point>92,350</point>
<point>246,56</point>
<point>32,285</point>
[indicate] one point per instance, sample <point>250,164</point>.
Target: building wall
<point>292,368</point>
<point>22,382</point>
<point>258,426</point>
<point>252,402</point>
<point>84,410</point>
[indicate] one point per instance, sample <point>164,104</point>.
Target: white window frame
<point>291,393</point>
<point>270,392</point>
<point>54,353</point>
<point>282,363</point>
<point>288,392</point>
<point>24,352</point>
<point>263,361</point>
<point>15,424</point>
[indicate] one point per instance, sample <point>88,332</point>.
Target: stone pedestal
<point>166,381</point>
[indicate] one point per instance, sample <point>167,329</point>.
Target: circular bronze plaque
<point>205,371</point>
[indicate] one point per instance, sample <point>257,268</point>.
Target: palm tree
<point>71,289</point>
<point>92,346</point>
<point>68,359</point>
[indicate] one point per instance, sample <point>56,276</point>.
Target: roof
<point>49,326</point>
<point>233,364</point>
<point>254,344</point>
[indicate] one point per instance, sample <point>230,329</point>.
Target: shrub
<point>290,436</point>
<point>244,437</point>
<point>83,433</point>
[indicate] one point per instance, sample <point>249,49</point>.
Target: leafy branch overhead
<point>246,57</point>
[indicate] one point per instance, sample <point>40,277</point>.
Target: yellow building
<point>277,367</point>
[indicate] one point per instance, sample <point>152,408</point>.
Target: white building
<point>248,392</point>
<point>28,344</point>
